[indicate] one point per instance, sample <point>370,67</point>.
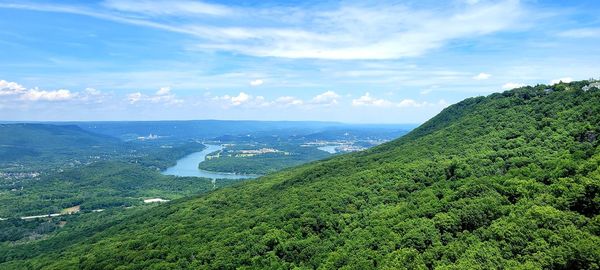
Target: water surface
<point>329,149</point>
<point>188,166</point>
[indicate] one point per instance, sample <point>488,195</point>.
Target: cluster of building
<point>251,153</point>
<point>18,175</point>
<point>149,137</point>
<point>591,85</point>
<point>318,143</point>
<point>342,146</point>
<point>245,153</point>
<point>349,148</point>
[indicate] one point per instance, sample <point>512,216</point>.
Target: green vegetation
<point>37,145</point>
<point>508,181</point>
<point>19,141</point>
<point>45,147</point>
<point>154,156</point>
<point>119,180</point>
<point>52,167</point>
<point>96,186</point>
<point>62,231</point>
<point>264,163</point>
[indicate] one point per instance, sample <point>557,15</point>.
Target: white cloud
<point>581,33</point>
<point>443,103</point>
<point>240,99</point>
<point>134,97</point>
<point>565,80</point>
<point>57,95</point>
<point>256,82</point>
<point>169,8</point>
<point>248,101</point>
<point>512,85</point>
<point>366,32</point>
<point>368,100</point>
<point>260,101</point>
<point>16,92</point>
<point>163,91</point>
<point>168,100</point>
<point>482,76</point>
<point>326,98</point>
<point>10,88</point>
<point>92,95</point>
<point>288,101</point>
<point>92,91</point>
<point>429,90</point>
<point>410,103</point>
<point>163,95</point>
<point>346,31</point>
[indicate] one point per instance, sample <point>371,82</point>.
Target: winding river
<point>188,166</point>
<point>328,148</point>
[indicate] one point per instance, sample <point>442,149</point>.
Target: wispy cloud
<point>368,100</point>
<point>169,8</point>
<point>256,82</point>
<point>163,96</point>
<point>411,103</point>
<point>581,33</point>
<point>410,55</point>
<point>241,100</point>
<point>512,85</point>
<point>14,92</point>
<point>10,88</point>
<point>564,80</point>
<point>349,31</point>
<point>56,95</point>
<point>286,101</point>
<point>482,76</point>
<point>327,98</point>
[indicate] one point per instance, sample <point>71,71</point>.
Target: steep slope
<point>511,180</point>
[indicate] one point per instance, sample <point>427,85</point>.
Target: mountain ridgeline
<point>507,181</point>
<point>25,142</point>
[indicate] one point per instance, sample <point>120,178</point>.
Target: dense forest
<point>39,144</point>
<point>507,181</point>
<point>264,163</point>
<point>97,186</point>
<point>74,167</point>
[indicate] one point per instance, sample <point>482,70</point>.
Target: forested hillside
<point>35,142</point>
<point>507,181</point>
<point>97,186</point>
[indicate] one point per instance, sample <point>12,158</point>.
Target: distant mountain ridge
<point>208,129</point>
<point>29,140</point>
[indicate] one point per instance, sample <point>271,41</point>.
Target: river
<point>188,166</point>
<point>328,148</point>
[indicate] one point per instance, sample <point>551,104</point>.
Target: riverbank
<point>188,166</point>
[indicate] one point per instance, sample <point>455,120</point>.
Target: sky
<point>350,61</point>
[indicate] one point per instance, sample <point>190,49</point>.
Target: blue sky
<point>376,62</point>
